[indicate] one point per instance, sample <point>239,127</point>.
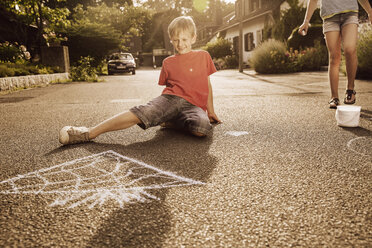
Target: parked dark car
<point>121,62</point>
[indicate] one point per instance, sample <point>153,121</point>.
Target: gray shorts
<point>336,22</point>
<point>170,108</point>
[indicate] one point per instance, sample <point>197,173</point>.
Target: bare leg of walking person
<point>349,40</point>
<point>333,41</point>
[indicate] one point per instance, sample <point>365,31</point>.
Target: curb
<point>11,83</point>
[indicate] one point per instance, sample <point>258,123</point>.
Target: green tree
<point>156,29</point>
<point>72,4</point>
<point>213,12</point>
<point>181,6</point>
<point>97,30</point>
<point>289,19</point>
<point>41,14</point>
<point>164,13</point>
<point>219,48</point>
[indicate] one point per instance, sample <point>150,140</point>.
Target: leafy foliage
<point>269,57</point>
<point>161,5</point>
<point>311,59</point>
<point>272,57</point>
<point>228,62</point>
<point>84,70</point>
<point>288,20</point>
<point>10,52</point>
<point>23,68</point>
<point>165,11</point>
<point>314,35</point>
<point>39,13</point>
<point>156,29</point>
<point>364,51</point>
<point>98,30</point>
<point>94,39</point>
<point>219,48</point>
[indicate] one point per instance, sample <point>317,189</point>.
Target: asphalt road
<point>278,172</point>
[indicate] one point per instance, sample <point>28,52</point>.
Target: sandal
<point>349,94</point>
<point>333,103</point>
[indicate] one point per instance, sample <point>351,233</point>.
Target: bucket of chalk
<point>348,116</point>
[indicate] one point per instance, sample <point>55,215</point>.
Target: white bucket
<point>348,116</point>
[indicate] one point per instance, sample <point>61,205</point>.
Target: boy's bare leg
<point>350,39</point>
<point>333,41</point>
<point>117,122</point>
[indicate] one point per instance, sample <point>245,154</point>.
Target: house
<point>254,15</point>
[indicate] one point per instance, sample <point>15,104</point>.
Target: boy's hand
<point>214,119</point>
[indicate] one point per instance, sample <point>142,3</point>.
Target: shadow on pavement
<point>146,224</point>
<point>359,131</point>
<point>305,92</point>
<point>135,225</point>
<point>13,99</point>
<point>366,114</point>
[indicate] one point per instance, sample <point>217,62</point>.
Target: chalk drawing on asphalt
<point>236,133</point>
<point>96,179</point>
<point>361,145</point>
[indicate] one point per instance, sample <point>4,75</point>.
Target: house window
<point>236,45</point>
<point>255,4</point>
<point>259,36</point>
<point>248,42</point>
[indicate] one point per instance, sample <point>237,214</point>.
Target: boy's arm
<point>311,6</point>
<point>210,109</point>
<point>367,7</point>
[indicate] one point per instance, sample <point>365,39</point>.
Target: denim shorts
<point>337,22</point>
<point>170,108</point>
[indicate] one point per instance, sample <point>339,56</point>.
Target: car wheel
<point>133,72</point>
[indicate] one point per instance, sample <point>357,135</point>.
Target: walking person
<point>186,102</point>
<point>340,28</point>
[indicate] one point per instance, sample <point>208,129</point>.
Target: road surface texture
<point>278,172</point>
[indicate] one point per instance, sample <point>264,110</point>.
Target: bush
<point>6,72</point>
<point>308,60</point>
<point>219,48</point>
<point>22,68</point>
<point>270,57</point>
<point>9,52</point>
<point>312,58</point>
<point>364,52</point>
<point>231,62</point>
<point>228,62</point>
<point>13,52</point>
<point>84,71</point>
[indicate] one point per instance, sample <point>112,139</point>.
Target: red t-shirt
<point>186,76</point>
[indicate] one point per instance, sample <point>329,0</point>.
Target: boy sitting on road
<point>186,102</point>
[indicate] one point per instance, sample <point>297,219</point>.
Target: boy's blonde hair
<point>182,23</point>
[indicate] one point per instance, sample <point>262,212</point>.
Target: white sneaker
<point>72,135</point>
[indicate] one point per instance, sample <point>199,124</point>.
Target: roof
<point>266,10</point>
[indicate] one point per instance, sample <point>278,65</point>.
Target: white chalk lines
<point>94,180</point>
<point>358,143</point>
<point>236,133</point>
